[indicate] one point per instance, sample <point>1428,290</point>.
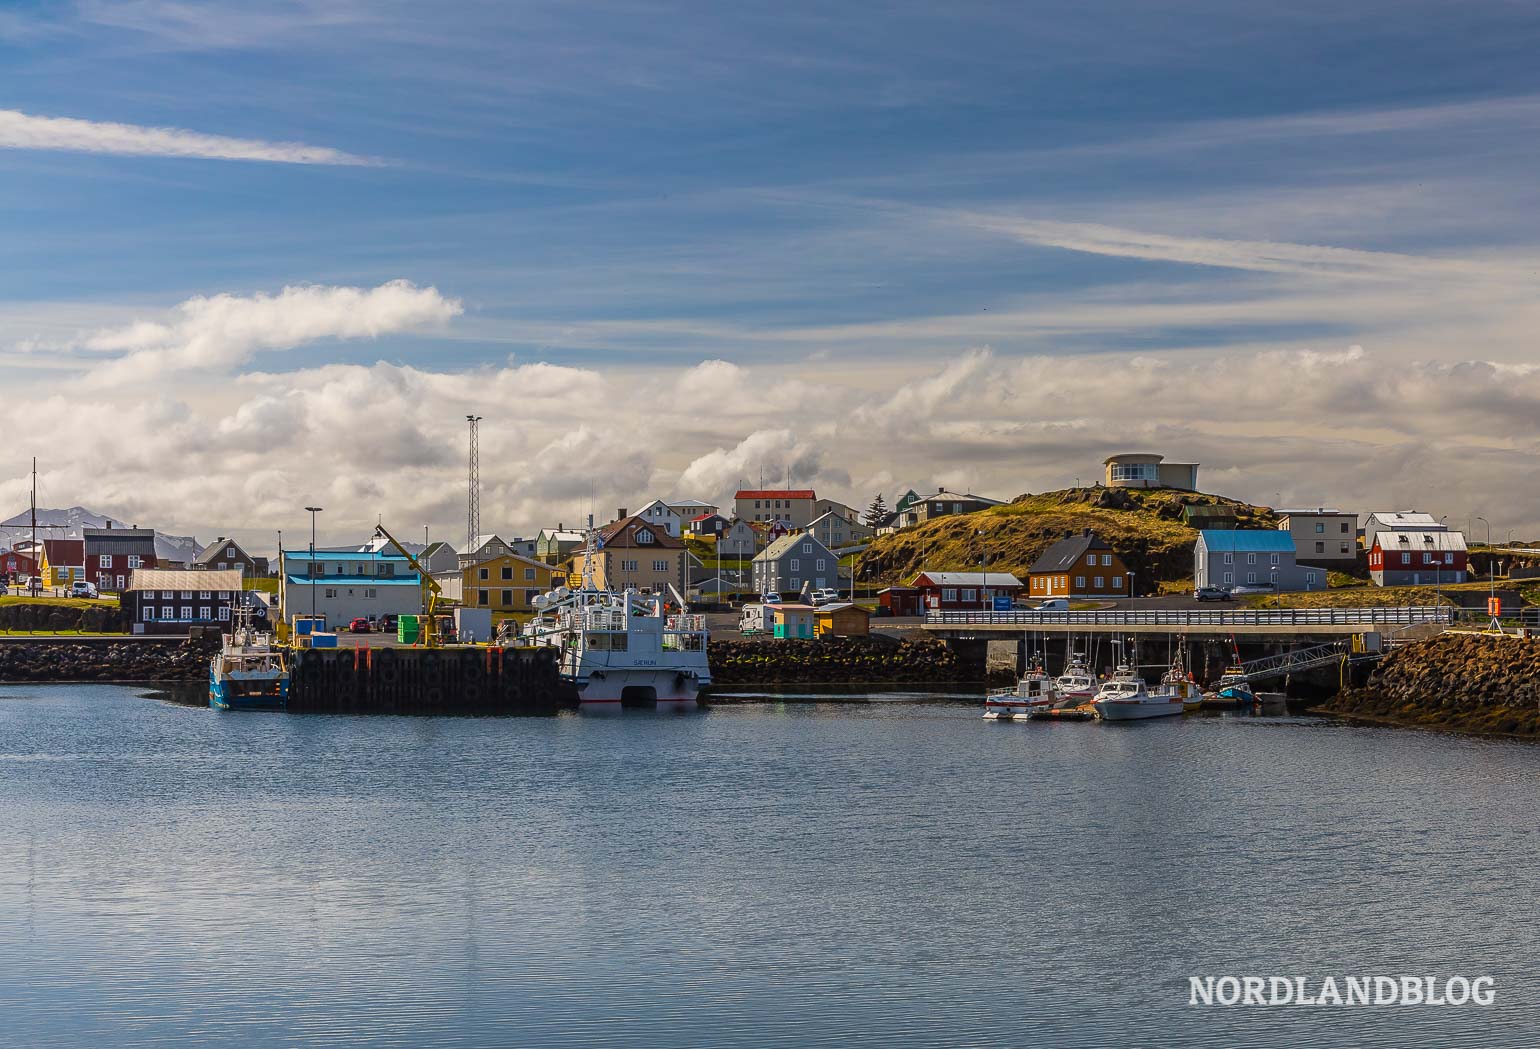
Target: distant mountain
<point>71,523</point>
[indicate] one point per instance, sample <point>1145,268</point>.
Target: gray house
<point>226,555</point>
<point>795,561</point>
<point>1252,557</point>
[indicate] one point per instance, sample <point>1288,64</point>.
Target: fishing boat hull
<point>1136,709</point>
<point>228,692</point>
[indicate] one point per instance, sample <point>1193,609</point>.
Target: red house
<point>900,601</point>
<point>1417,557</point>
<point>113,554</point>
<point>964,591</point>
<point>14,566</point>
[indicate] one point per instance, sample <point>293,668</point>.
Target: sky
<point>258,257</point>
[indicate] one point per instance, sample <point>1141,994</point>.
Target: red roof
<point>776,493</point>
<point>65,552</point>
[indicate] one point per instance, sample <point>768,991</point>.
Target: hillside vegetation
<point>1144,526</point>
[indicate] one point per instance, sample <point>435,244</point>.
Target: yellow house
<point>63,561</point>
<point>635,554</point>
<point>507,585</point>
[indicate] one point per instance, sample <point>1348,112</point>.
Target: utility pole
<point>32,584</point>
<point>473,503</point>
<point>313,511</point>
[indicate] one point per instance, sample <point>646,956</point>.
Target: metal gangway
<point>1298,659</point>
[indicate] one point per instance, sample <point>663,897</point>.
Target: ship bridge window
<point>603,642</point>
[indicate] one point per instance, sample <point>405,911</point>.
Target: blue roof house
<point>1254,557</point>
<point>342,585</point>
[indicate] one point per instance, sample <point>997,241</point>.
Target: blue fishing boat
<point>250,672</point>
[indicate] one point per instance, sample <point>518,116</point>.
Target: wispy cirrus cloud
<point>20,130</point>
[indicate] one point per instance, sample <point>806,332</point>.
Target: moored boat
<point>1033,692</point>
<point>249,673</point>
<point>1125,697</point>
<point>1077,682</point>
<point>1231,692</point>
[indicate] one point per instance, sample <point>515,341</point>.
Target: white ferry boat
<point>249,673</point>
<point>1033,692</point>
<point>623,649</point>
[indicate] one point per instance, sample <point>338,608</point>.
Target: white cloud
<point>223,331</point>
<point>20,130</point>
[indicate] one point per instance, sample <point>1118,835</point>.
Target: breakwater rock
<point>171,660</point>
<point>877,659</point>
<point>1456,681</point>
<point>44,616</point>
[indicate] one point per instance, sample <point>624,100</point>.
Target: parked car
<point>826,596</point>
<point>1053,604</point>
<point>359,626</point>
<point>770,597</point>
<point>1210,593</point>
<point>388,623</point>
<point>81,588</point>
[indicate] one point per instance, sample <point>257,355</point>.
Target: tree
<point>875,512</point>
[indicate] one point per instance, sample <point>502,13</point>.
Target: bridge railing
<point>1387,615</point>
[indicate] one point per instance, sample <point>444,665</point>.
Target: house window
<point>147,613</point>
<point>481,597</point>
<point>807,548</point>
<point>1345,548</point>
<point>969,594</point>
<point>660,566</point>
<point>167,595</point>
<point>187,595</point>
<point>1320,548</point>
<point>1229,577</point>
<point>1117,582</point>
<point>1106,560</point>
<point>643,536</point>
<point>529,575</point>
<point>224,595</point>
<point>628,566</point>
<point>1320,526</point>
<point>224,613</point>
<point>507,598</point>
<point>1275,559</point>
<point>507,571</point>
<point>1251,559</point>
<point>203,612</point>
<point>1251,577</point>
<point>529,597</point>
<point>1406,559</point>
<point>1080,582</point>
<point>204,595</point>
<point>330,593</point>
<point>135,561</point>
<point>821,563</point>
<point>482,574</point>
<point>1229,559</point>
<point>187,613</point>
<point>370,592</point>
<point>1100,582</point>
<point>796,565</point>
<point>167,612</point>
<point>1090,560</point>
<point>1344,527</point>
<point>1448,558</point>
<point>948,594</point>
<point>105,560</point>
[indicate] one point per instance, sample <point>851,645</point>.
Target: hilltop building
<point>1146,470</point>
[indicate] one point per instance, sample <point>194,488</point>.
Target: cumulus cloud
<point>1357,426</point>
<point>222,331</point>
<point>20,130</point>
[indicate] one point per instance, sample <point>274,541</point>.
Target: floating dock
<point>416,681</point>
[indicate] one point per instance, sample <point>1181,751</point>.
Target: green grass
<point>61,602</point>
<point>262,583</point>
<point>61,633</point>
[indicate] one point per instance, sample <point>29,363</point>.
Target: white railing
<point>1388,615</point>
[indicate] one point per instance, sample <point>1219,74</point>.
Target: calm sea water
<point>901,873</point>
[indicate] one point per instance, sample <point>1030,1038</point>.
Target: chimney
<point>621,515</point>
<point>1085,532</point>
<point>220,539</point>
<point>109,522</point>
<point>560,527</point>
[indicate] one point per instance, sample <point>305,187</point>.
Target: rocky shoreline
<point>118,662</point>
<point>1461,682</point>
<point>877,659</point>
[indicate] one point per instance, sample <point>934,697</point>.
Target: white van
<point>756,619</point>
<point>1053,604</point>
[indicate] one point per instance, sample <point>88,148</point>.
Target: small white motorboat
<point>1077,681</point>
<point>1033,692</point>
<point>1125,697</point>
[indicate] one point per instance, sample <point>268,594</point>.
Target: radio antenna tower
<point>473,502</point>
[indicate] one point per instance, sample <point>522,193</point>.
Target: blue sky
<point>849,203</point>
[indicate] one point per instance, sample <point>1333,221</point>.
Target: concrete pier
<point>475,681</point>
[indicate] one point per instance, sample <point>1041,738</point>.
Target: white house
<point>661,515</point>
<point>343,585</point>
<point>689,509</point>
<point>1399,521</point>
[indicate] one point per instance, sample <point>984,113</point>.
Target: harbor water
<point>898,873</point>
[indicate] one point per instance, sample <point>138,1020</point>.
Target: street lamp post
<point>313,510</point>
<point>983,573</point>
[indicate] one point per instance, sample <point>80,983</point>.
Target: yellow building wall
<point>505,585</point>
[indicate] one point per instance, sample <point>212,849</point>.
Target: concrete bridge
<point>1266,622</point>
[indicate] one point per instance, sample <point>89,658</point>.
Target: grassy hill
<point>1144,526</point>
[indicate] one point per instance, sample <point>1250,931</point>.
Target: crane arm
<point>431,590</point>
